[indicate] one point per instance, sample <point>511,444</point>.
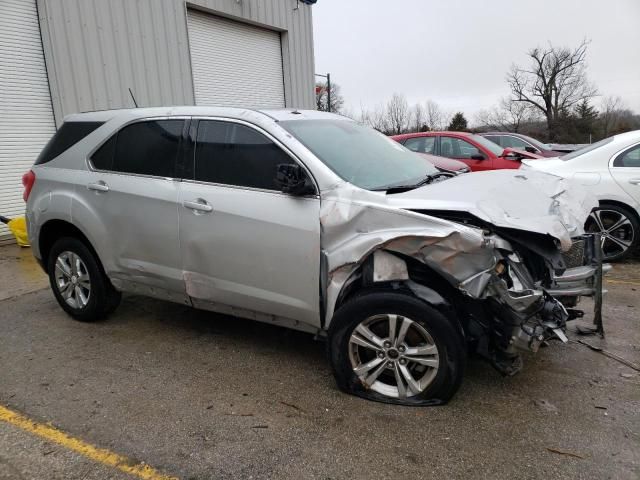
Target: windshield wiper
<point>429,178</point>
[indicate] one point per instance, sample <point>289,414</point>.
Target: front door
<point>464,151</point>
<point>244,243</point>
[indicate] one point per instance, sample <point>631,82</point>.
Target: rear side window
<point>629,159</point>
<point>67,135</point>
<point>494,138</point>
<point>234,154</point>
<point>145,148</point>
<point>421,144</point>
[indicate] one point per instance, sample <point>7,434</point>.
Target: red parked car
<point>474,150</point>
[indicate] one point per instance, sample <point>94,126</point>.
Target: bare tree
<point>610,113</point>
<point>397,113</point>
<point>555,81</point>
<point>322,97</point>
<point>436,118</point>
<point>376,118</point>
<point>418,119</point>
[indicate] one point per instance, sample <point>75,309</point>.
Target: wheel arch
<point>54,229</point>
<point>421,281</point>
<point>620,204</point>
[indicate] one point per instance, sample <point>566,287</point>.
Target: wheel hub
<point>72,279</point>
<point>393,355</point>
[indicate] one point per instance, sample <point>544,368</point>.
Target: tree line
<point>551,98</point>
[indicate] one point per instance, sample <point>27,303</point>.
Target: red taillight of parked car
<point>28,179</point>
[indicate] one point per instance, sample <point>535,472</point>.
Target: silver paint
<point>258,253</point>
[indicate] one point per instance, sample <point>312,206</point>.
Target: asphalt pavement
<point>197,395</point>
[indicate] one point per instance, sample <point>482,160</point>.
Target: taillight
<point>28,179</point>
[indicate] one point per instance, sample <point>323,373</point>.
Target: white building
<point>65,56</point>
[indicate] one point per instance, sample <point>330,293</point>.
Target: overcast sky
<point>457,52</point>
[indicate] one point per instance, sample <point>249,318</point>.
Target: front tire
<point>78,281</point>
<point>395,348</point>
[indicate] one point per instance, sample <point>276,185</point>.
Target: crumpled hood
<point>524,200</point>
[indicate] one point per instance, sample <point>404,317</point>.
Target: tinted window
<point>494,138</point>
<point>102,159</point>
<point>457,148</point>
<point>68,135</point>
<point>145,148</point>
<point>630,158</point>
<point>514,142</point>
<point>421,144</point>
<point>234,154</point>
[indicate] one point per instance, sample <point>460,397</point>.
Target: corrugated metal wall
<point>97,49</point>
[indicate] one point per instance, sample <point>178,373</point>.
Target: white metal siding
<point>26,116</point>
<point>235,64</point>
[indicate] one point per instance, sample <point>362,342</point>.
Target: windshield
<point>360,155</point>
<point>587,149</point>
<point>488,144</point>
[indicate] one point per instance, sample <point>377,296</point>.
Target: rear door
<point>244,243</point>
<point>128,201</point>
<point>625,169</point>
<point>421,144</point>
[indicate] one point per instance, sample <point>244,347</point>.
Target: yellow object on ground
<point>18,227</point>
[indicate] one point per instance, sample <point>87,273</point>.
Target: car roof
<point>502,133</point>
<point>188,110</point>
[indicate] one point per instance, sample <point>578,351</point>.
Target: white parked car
<point>610,169</point>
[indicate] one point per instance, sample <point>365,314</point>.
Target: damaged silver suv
<point>313,222</point>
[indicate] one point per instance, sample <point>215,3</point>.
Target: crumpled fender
<point>354,226</point>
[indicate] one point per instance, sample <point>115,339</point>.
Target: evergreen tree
<point>458,123</point>
<point>585,122</point>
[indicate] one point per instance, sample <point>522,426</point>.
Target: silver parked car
<point>311,221</point>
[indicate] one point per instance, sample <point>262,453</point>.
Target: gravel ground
<point>199,395</point>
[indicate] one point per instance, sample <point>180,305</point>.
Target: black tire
<point>103,298</point>
<point>445,334</point>
<point>608,214</point>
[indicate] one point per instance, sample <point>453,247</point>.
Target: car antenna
<point>133,98</point>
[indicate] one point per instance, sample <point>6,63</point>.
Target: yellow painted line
<point>622,282</point>
<point>100,455</point>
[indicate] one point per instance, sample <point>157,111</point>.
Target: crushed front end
<point>531,296</point>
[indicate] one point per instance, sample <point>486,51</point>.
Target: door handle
<point>199,205</point>
<point>634,181</point>
<point>98,186</point>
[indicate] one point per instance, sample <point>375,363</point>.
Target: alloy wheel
<point>72,280</point>
<point>616,230</point>
<point>393,355</point>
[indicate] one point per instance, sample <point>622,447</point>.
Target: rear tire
<point>416,356</point>
<point>621,241</point>
<point>78,281</point>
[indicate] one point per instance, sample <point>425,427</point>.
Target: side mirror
<point>292,179</point>
<point>530,149</point>
<point>477,156</point>
<point>510,155</point>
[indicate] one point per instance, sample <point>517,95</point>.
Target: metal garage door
<point>235,64</point>
<point>26,115</point>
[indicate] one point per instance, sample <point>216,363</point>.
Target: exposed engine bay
<point>510,288</point>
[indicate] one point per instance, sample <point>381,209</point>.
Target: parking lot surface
<point>197,395</point>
